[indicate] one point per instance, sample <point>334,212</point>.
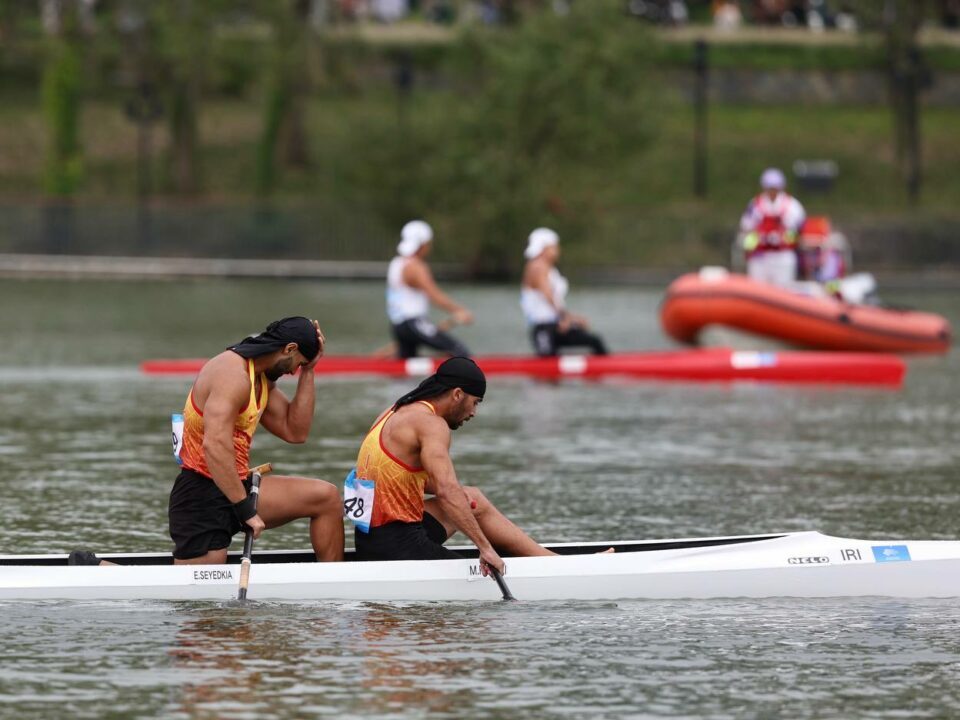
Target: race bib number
<point>176,421</point>
<point>358,501</point>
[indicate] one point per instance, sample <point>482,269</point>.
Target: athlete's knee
<point>324,498</point>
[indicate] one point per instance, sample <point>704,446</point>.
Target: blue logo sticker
<point>891,553</point>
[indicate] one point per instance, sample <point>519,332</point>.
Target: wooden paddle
<point>256,473</point>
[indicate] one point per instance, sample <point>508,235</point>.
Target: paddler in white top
<point>543,293</point>
<point>410,291</point>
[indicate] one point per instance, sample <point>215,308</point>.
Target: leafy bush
<point>531,109</point>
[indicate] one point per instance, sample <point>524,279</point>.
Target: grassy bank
<point>644,204</point>
<point>567,122</point>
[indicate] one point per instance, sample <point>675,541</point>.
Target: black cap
<point>455,372</point>
<point>296,329</point>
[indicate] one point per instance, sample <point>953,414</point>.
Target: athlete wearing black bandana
<point>405,455</point>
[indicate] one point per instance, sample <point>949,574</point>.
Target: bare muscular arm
<point>290,420</point>
<point>537,276</point>
<point>229,392</point>
<point>434,436</point>
<point>417,274</point>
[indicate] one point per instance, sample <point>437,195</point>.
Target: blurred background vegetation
<point>308,129</point>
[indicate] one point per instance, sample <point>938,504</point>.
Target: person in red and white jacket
<point>769,226</point>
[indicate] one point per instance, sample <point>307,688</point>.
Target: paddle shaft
<point>248,536</point>
<point>507,595</point>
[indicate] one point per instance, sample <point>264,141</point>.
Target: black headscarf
<point>277,335</point>
<point>455,372</point>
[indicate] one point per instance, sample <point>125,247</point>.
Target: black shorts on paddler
<point>201,517</point>
<point>405,541</point>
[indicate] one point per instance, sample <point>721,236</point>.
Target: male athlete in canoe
<point>234,393</point>
<point>407,454</point>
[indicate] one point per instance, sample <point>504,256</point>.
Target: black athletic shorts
<point>547,339</point>
<point>201,517</point>
<point>411,334</point>
<point>404,541</point>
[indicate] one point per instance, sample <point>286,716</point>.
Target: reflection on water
<point>87,463</point>
<point>725,659</point>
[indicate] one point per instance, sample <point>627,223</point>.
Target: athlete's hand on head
<point>322,340</point>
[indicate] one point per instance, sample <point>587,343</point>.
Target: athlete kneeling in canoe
<point>406,454</point>
<point>234,393</point>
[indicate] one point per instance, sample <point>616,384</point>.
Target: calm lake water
<point>86,463</point>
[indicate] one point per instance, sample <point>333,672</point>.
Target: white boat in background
<point>806,564</point>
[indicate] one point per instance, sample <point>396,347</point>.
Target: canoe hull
<point>794,565</point>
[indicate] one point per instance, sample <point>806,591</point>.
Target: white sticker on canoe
<point>417,366</point>
<point>750,359</point>
<point>572,364</point>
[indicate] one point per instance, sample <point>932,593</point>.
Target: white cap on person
<point>413,236</point>
<point>773,179</point>
<point>539,240</point>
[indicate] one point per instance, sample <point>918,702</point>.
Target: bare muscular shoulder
<point>225,377</point>
<point>409,429</point>
<point>416,272</point>
<point>534,273</point>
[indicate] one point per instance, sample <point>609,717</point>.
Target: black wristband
<point>246,508</point>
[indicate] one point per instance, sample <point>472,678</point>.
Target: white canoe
<point>806,564</point>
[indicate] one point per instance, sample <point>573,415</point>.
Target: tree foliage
<point>900,22</point>
<point>62,96</point>
<point>283,140</point>
<point>552,92</point>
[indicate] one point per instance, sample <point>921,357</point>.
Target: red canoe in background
<point>698,300</point>
<point>707,365</point>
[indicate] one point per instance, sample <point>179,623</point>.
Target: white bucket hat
<point>539,240</point>
<point>413,236</point>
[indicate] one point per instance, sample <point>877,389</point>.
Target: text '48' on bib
<point>358,501</point>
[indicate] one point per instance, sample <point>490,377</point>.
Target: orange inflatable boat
<point>696,300</point>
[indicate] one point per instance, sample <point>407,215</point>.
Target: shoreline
<point>170,269</point>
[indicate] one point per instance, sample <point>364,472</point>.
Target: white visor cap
<point>773,179</point>
<point>539,240</point>
<point>414,235</point>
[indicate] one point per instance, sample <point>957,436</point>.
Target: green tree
<point>62,100</point>
<point>900,22</point>
<point>181,31</point>
<point>283,140</point>
<point>559,90</point>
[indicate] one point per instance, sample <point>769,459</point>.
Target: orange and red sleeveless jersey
<point>191,454</point>
<point>399,487</point>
